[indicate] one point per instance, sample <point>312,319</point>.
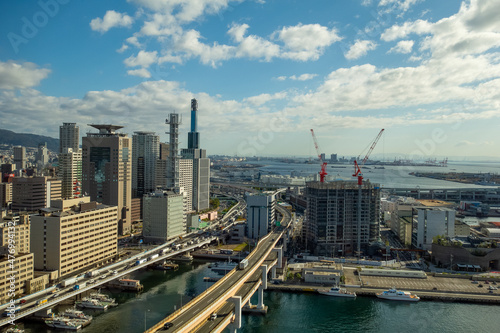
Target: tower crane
<point>357,166</point>
<point>322,173</point>
<point>357,173</point>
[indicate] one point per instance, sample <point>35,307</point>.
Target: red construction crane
<point>357,167</point>
<point>322,173</point>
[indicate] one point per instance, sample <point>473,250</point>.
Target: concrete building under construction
<point>331,226</point>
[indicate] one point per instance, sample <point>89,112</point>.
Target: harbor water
<point>288,312</point>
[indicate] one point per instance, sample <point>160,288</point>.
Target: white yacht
<point>396,295</point>
<point>338,292</point>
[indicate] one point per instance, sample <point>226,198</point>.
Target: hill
<point>27,140</point>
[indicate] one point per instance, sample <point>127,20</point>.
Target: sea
<point>389,177</point>
<point>166,291</point>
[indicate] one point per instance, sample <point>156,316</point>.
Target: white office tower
<point>261,214</point>
<point>431,222</point>
<point>42,156</point>
<point>163,216</point>
<point>145,153</point>
<point>70,173</point>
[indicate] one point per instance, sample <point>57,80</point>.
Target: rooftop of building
<point>342,185</point>
<point>434,203</point>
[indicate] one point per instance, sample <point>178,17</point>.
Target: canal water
<point>288,312</point>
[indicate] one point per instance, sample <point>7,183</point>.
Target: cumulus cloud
<point>111,19</point>
<point>19,75</point>
<point>141,72</point>
<point>404,46</point>
<point>264,98</point>
<point>306,42</point>
<point>360,48</point>
<point>143,59</point>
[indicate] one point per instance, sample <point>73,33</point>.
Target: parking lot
<point>441,284</point>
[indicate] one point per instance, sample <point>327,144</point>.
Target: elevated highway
<point>228,295</point>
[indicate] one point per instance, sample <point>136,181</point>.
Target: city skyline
<point>426,72</point>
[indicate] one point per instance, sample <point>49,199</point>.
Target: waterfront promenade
<point>433,288</point>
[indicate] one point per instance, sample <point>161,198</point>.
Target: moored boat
<point>397,295</point>
<point>63,323</point>
<point>90,303</point>
<point>338,292</point>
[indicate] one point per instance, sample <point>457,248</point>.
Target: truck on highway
<point>243,264</point>
<point>79,286</point>
<point>68,282</point>
<point>154,256</point>
<point>140,261</point>
<point>41,301</point>
<point>163,251</point>
<point>92,273</point>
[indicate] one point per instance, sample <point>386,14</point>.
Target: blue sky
<point>263,72</point>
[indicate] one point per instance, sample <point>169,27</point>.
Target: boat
<point>223,267</point>
<point>185,258</point>
<point>79,315</point>
<point>338,292</point>
<point>103,298</point>
<point>74,313</point>
<point>397,295</point>
<point>90,303</point>
<point>63,323</point>
<point>14,330</point>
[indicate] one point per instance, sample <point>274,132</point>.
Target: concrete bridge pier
<point>233,327</point>
<point>263,286</point>
<point>280,256</point>
<point>273,272</point>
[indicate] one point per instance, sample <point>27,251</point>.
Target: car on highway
<point>475,282</point>
<point>167,325</point>
<point>55,295</point>
<point>213,316</point>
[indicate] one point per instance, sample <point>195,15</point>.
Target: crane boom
<point>322,173</point>
<point>357,166</point>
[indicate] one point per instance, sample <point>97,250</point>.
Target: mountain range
<point>27,140</point>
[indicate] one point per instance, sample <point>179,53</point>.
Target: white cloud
<point>302,77</point>
<point>123,48</point>
<point>264,98</point>
<point>360,48</point>
<point>111,19</point>
<point>252,46</point>
<point>404,46</point>
<point>306,42</point>
<point>401,5</point>
<point>141,72</point>
<point>143,59</point>
<point>19,75</point>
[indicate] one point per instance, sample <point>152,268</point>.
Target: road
<point>200,308</point>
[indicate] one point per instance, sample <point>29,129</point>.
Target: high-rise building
<point>186,183</point>
<point>173,159</point>
<point>15,230</point>
<point>201,164</point>
<point>107,171</point>
<point>69,137</point>
<point>5,194</point>
<point>23,266</point>
<point>194,136</point>
<point>331,226</point>
<point>74,235</point>
<point>145,153</point>
<point>20,157</point>
<point>163,216</point>
<point>42,155</point>
<point>261,214</point>
<point>34,193</point>
<point>164,150</point>
<point>70,173</point>
<point>429,222</point>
